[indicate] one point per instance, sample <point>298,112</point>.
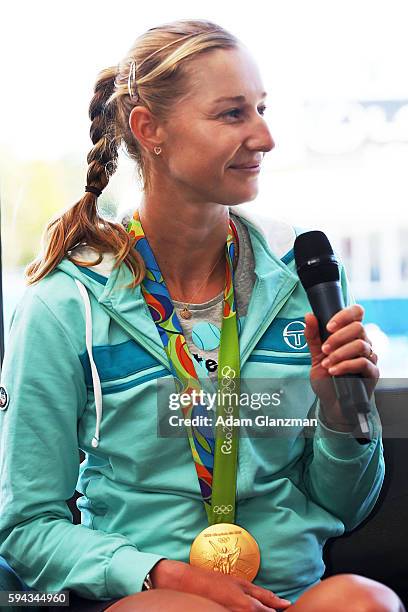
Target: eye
<point>232,113</point>
<point>236,112</point>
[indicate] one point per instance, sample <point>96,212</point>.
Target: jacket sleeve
<point>39,465</point>
<point>340,474</point>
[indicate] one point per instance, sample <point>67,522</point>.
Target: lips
<point>250,164</point>
<point>245,167</point>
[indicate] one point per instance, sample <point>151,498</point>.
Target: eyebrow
<point>235,98</point>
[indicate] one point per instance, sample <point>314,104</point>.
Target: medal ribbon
<point>215,461</point>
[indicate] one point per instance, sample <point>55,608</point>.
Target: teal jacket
<point>140,499</point>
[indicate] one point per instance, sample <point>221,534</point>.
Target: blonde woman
<point>190,290</point>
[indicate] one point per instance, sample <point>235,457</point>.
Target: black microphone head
<point>315,260</point>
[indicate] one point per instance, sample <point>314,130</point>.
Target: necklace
<point>185,312</point>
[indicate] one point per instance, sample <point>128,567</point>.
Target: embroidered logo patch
<point>4,398</point>
<point>294,335</point>
<point>285,336</point>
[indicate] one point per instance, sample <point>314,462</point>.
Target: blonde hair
<point>158,60</point>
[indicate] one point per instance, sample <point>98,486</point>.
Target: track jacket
<point>82,362</point>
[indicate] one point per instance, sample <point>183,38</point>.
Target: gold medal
<point>228,549</point>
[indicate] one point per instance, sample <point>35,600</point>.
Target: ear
<point>145,128</point>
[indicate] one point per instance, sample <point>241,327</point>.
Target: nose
<point>260,137</point>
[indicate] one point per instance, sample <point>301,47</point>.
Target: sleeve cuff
<point>343,444</point>
<point>127,570</point>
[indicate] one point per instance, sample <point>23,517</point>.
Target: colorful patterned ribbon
<point>218,492</point>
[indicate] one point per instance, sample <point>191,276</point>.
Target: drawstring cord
<point>95,376</point>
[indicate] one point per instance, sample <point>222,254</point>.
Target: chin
<point>250,195</point>
<point>234,197</point>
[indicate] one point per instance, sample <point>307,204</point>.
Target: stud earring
<point>157,150</point>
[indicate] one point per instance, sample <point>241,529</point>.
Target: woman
<point>94,336</point>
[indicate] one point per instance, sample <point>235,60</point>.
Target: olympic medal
<point>228,549</point>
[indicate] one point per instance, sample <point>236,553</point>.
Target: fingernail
<point>332,325</point>
<point>326,348</point>
<point>325,362</point>
<point>286,601</point>
<point>333,370</point>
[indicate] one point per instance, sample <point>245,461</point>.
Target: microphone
<point>318,270</point>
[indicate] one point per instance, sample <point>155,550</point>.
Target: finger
<point>258,606</point>
<point>361,365</point>
<point>269,598</point>
<point>356,348</point>
<point>350,332</point>
<point>312,334</point>
<point>345,316</point>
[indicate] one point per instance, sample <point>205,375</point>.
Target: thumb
<point>312,334</point>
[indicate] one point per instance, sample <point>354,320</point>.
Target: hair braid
<point>103,157</point>
<point>82,224</point>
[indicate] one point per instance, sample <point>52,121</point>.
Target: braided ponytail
<point>82,224</point>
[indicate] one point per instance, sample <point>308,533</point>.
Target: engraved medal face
<point>226,548</point>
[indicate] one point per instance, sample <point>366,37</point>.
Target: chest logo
<point>294,335</point>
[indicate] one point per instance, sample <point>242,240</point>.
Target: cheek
<point>201,158</point>
<point>213,151</point>
<point>199,165</point>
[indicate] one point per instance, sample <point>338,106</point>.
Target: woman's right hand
<point>236,594</point>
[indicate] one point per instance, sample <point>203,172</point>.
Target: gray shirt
<point>202,332</point>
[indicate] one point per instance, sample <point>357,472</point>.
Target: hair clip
<point>132,75</point>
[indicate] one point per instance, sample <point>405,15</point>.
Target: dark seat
<point>377,548</point>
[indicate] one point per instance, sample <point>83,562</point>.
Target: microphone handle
<point>326,299</point>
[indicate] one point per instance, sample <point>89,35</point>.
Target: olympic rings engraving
<point>222,509</point>
<point>227,379</point>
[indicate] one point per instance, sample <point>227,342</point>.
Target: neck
<point>187,240</point>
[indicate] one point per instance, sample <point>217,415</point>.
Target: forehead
<point>223,72</point>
